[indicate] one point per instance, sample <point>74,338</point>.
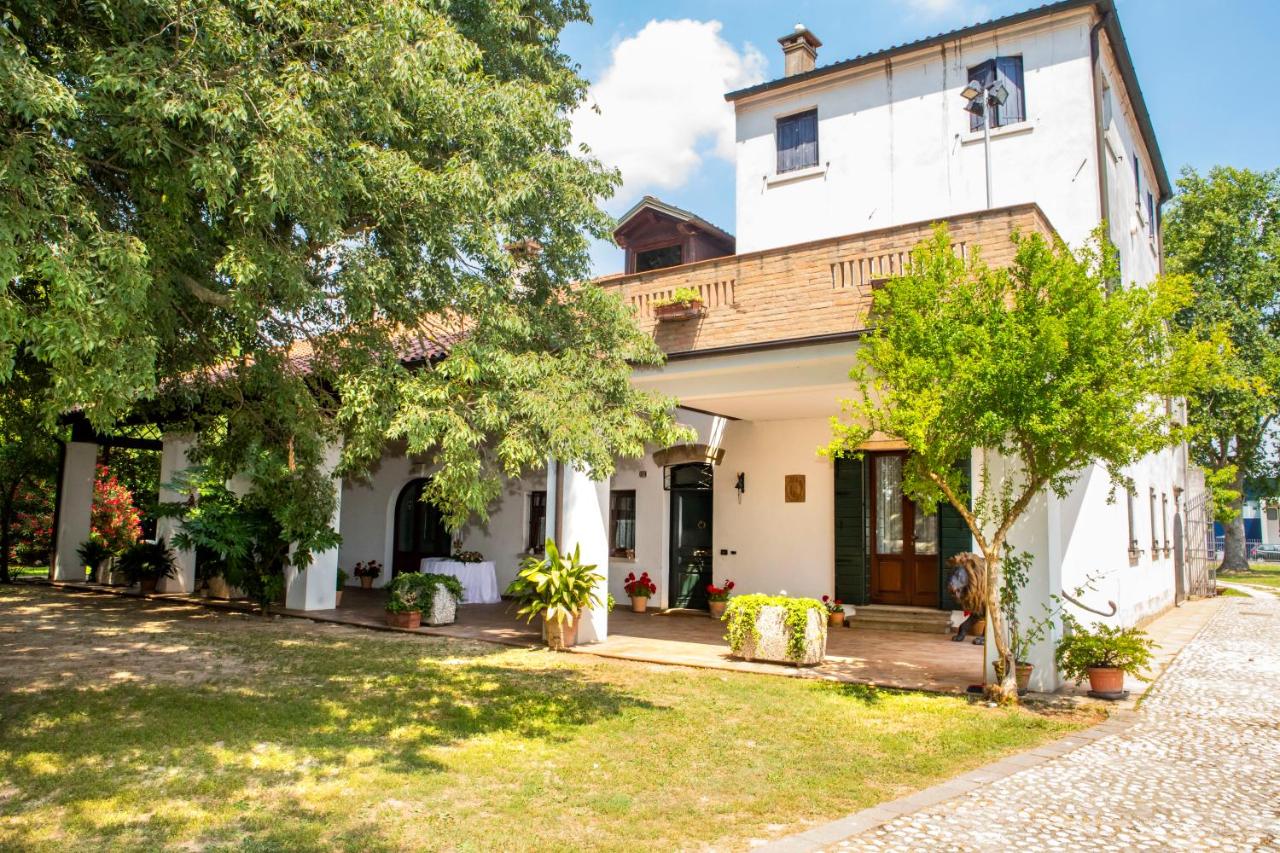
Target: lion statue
<point>968,586</point>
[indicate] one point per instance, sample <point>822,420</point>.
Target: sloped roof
<point>1111,23</point>
<point>652,203</point>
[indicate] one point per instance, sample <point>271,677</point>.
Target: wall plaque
<point>793,488</point>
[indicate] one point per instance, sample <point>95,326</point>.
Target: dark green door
<point>690,546</point>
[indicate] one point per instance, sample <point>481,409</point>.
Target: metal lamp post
<point>982,98</point>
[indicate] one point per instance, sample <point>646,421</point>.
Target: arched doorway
<point>420,530</point>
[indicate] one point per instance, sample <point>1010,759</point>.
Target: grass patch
<point>1259,574</point>
<point>307,736</point>
<point>1228,592</point>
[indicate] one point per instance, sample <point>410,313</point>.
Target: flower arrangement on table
<point>718,597</point>
<point>469,557</point>
<point>367,572</point>
<point>835,610</point>
<point>641,589</point>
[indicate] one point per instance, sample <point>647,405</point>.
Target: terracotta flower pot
<point>717,608</point>
<point>979,628</point>
<point>639,604</point>
<point>148,585</point>
<point>219,588</point>
<point>366,582</point>
<point>836,619</point>
<point>1022,674</point>
<point>1106,679</point>
<point>680,310</point>
<point>412,619</point>
<point>337,598</point>
<point>560,635</point>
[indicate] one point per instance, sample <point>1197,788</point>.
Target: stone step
<point>886,617</point>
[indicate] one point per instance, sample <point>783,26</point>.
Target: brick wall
<point>806,290</point>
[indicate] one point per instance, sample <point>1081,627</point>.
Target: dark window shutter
<point>953,538</point>
<point>797,141</point>
<point>852,576</point>
<point>1014,109</point>
<point>984,75</point>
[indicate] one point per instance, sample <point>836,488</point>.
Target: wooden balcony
<point>810,290</point>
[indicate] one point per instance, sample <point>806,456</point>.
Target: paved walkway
<point>1197,767</point>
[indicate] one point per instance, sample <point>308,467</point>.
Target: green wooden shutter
<point>953,538</point>
<point>852,575</point>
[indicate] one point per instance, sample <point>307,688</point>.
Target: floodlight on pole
<point>981,99</point>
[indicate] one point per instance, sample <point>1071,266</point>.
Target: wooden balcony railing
<point>808,290</point>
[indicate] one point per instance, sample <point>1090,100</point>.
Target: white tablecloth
<point>479,580</point>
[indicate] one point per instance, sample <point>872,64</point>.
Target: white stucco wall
<point>895,145</point>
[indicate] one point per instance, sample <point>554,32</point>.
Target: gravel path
<point>1198,769</point>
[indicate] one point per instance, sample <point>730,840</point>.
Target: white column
<point>585,524</point>
<point>315,586</point>
<point>173,461</point>
<point>79,468</point>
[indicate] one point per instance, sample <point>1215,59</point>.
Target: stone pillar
<point>584,523</point>
<point>75,506</point>
<point>173,461</point>
<point>315,586</point>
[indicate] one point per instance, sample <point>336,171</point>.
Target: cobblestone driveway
<point>1198,769</point>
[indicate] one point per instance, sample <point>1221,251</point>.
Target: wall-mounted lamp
<point>741,485</point>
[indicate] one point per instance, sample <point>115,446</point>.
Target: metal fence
<point>1200,548</point>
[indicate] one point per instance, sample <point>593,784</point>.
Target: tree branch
<point>204,294</point>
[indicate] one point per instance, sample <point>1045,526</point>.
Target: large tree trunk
<point>1234,556</point>
<point>1005,691</point>
<point>6,534</point>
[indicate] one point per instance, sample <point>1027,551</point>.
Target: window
<point>1007,70</point>
<point>622,524</point>
<point>537,523</point>
<point>1164,520</point>
<point>1137,178</point>
<point>1151,216</point>
<point>1133,532</point>
<point>797,141</point>
<point>656,259</point>
<point>1155,542</point>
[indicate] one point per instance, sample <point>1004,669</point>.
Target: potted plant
<point>416,598</point>
<point>835,611</point>
<point>367,573</point>
<point>718,598</point>
<point>777,628</point>
<point>684,303</point>
<point>145,563</point>
<point>558,590</point>
<point>94,554</point>
<point>342,581</point>
<point>641,589</point>
<point>468,557</point>
<point>1105,655</point>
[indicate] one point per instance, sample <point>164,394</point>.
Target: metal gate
<point>1199,555</point>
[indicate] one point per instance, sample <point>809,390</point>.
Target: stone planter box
<point>219,588</point>
<point>774,633</point>
<point>444,609</point>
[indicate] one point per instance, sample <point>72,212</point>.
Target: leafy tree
<point>28,466</point>
<point>1039,367</point>
<point>1223,232</point>
<point>250,216</point>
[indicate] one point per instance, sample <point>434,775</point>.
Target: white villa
<point>841,170</point>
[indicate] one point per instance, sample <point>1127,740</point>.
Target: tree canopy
<point>253,219</point>
<point>1223,233</point>
<point>1042,366</point>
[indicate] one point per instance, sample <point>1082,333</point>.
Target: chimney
<point>799,51</point>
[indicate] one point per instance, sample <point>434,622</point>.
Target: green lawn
<point>1259,574</point>
<point>1228,592</point>
<point>127,725</point>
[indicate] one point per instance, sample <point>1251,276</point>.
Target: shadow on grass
<point>864,694</point>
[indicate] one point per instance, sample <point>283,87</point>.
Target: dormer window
<point>797,141</point>
<point>656,259</point>
<point>1007,70</point>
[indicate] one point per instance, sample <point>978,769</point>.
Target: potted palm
<point>641,589</point>
<point>718,598</point>
<point>94,554</point>
<point>558,590</point>
<point>342,581</point>
<point>1104,655</point>
<point>145,563</point>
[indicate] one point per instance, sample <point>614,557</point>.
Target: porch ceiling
<point>801,381</point>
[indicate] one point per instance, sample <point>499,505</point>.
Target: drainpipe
<point>1095,51</point>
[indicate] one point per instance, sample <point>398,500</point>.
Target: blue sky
<point>1207,70</point>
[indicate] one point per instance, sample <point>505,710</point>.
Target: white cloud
<point>661,103</point>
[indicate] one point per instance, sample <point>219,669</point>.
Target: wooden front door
<point>904,540</point>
